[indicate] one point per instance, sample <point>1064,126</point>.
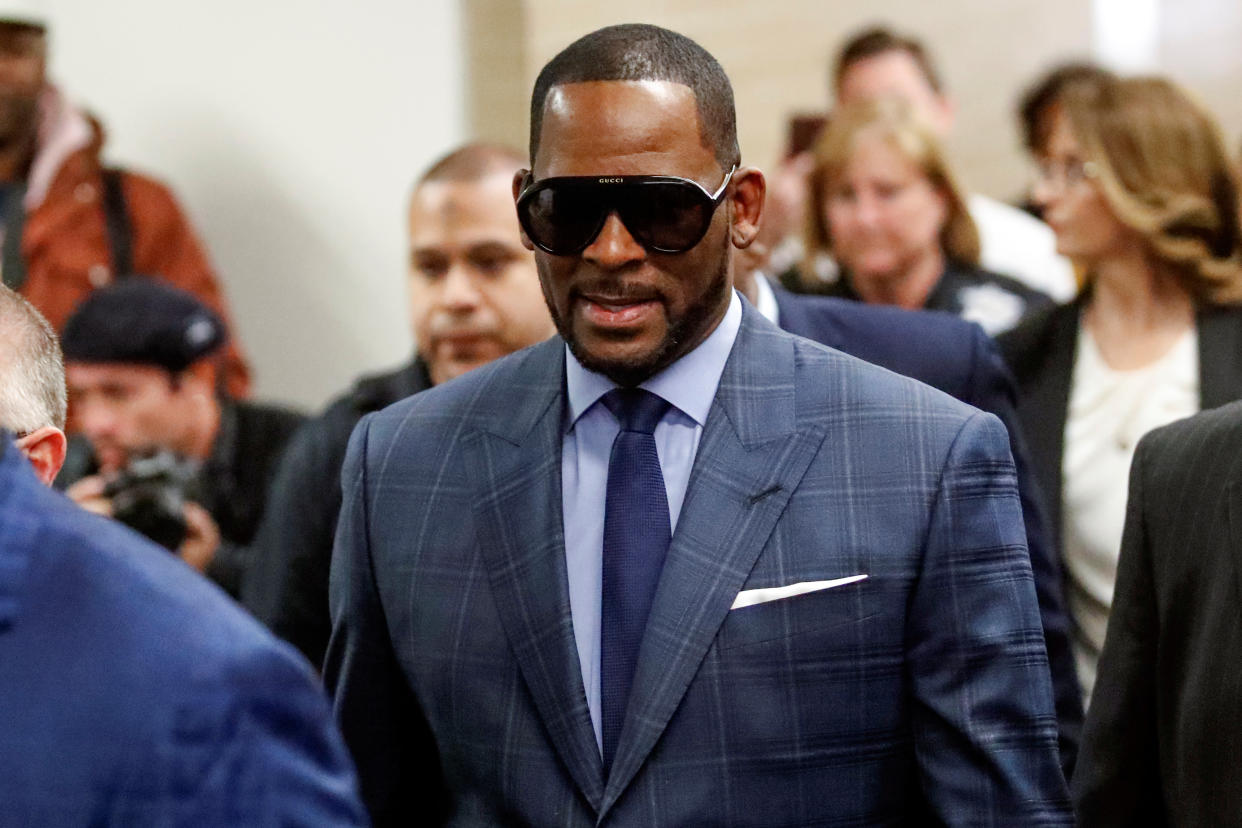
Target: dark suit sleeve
<point>1118,778</point>
<point>984,723</point>
<point>272,757</point>
<point>994,391</point>
<point>287,585</point>
<point>378,714</point>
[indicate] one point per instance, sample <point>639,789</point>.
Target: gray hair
<point>32,368</point>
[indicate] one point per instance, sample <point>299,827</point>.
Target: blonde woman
<point>1138,188</point>
<point>885,210</point>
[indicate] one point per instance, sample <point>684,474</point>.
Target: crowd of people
<point>623,542</point>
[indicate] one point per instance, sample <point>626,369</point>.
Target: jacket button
<point>99,275</point>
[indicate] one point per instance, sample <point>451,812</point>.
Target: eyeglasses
<point>663,213</point>
<point>1066,173</point>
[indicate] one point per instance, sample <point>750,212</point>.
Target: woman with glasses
<point>1137,186</point>
<point>887,224</point>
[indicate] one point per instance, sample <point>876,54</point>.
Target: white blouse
<point>1109,411</point>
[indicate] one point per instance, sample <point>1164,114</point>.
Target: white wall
<point>290,130</point>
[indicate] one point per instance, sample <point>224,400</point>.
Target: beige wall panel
<point>495,46</point>
<point>776,54</point>
<point>1199,48</point>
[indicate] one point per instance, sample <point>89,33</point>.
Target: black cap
<point>142,320</point>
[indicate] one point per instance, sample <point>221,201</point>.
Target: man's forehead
<point>564,98</point>
<point>111,373</point>
<point>481,202</point>
<point>623,127</point>
<point>893,72</point>
<point>21,38</point>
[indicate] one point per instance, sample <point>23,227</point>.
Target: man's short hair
<point>879,40</point>
<point>472,162</point>
<point>32,370</point>
<point>641,52</point>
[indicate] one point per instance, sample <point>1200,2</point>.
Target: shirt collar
<point>689,383</point>
<point>765,299</point>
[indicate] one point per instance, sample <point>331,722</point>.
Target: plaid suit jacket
<point>921,693</point>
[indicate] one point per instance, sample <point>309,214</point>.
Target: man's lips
<point>617,311</point>
<point>458,337</point>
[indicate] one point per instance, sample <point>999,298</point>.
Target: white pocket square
<point>750,597</point>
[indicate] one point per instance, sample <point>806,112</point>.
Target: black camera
<point>150,493</point>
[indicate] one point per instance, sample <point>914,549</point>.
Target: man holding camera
<point>189,466</point>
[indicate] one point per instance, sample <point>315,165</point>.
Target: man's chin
<point>626,367</point>
<point>442,372</point>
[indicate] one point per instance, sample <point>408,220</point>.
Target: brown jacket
<point>67,254</point>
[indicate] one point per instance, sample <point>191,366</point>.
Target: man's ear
<point>45,449</point>
<point>746,200</point>
<point>519,178</point>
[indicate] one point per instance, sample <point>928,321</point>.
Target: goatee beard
<point>629,374</point>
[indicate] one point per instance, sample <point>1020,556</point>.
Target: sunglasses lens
<point>561,220</point>
<point>563,216</point>
<point>669,217</point>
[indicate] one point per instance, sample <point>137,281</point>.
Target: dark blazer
<point>958,358</point>
<point>133,692</point>
<point>996,301</point>
<point>287,585</point>
<point>1163,739</point>
<point>920,693</point>
<point>1041,353</point>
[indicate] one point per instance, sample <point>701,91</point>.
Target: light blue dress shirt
<point>689,384</point>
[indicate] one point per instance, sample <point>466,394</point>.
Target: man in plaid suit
<point>843,628</point>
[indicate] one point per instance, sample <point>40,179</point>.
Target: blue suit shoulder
<point>166,696</point>
<point>925,345</point>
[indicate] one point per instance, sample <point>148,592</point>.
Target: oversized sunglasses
<point>663,213</point>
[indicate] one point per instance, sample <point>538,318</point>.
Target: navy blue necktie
<point>636,537</point>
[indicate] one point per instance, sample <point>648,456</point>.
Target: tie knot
<point>636,409</point>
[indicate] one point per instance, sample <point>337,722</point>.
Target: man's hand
<point>89,494</point>
<point>202,537</point>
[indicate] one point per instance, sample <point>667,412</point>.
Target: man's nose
<point>614,247</point>
<point>94,419</point>
<point>460,291</point>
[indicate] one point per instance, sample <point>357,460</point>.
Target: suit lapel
<point>1220,356</point>
<point>749,461</point>
<point>515,468</point>
<point>1044,406</point>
